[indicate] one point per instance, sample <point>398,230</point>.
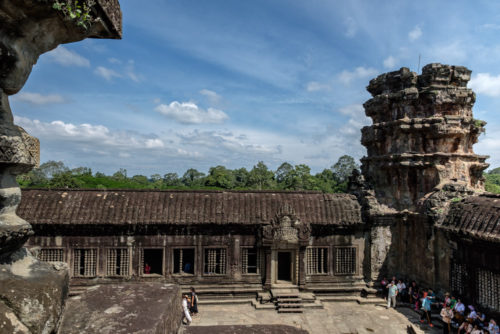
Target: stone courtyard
<point>337,317</point>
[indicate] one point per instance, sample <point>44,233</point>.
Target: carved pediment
<point>286,227</point>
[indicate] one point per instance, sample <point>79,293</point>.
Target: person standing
<point>185,310</point>
<point>446,315</point>
<point>392,293</point>
<point>194,302</point>
<point>426,308</point>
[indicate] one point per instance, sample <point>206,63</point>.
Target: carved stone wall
<point>422,134</point>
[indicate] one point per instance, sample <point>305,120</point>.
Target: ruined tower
<point>422,134</point>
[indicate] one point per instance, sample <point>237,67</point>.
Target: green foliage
<point>54,174</point>
<point>492,181</point>
<point>77,10</point>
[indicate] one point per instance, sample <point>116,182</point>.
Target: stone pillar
<point>268,281</point>
<point>302,267</point>
<point>32,293</point>
<point>422,134</point>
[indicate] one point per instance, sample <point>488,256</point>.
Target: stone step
<point>288,299</point>
<point>331,298</point>
<point>295,305</point>
<point>259,306</point>
<point>372,301</point>
<point>315,305</point>
<point>225,301</point>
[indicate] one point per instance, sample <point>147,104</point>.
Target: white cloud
<point>491,26</point>
<point>211,95</point>
<point>314,86</point>
<point>351,27</point>
<point>390,62</point>
<point>485,83</point>
<point>346,77</point>
<point>107,73</point>
<point>38,99</point>
<point>66,57</point>
<point>190,113</point>
<point>415,33</point>
<point>88,136</point>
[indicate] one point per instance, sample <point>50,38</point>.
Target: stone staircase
<point>287,300</point>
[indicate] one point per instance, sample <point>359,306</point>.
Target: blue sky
<point>195,84</point>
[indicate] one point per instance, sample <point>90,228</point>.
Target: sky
<point>195,84</point>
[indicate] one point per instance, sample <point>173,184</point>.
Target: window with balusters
<point>117,261</point>
<point>345,260</point>
<point>85,262</point>
<point>316,260</point>
<point>488,289</point>
<point>215,261</point>
<point>250,260</point>
<point>51,255</point>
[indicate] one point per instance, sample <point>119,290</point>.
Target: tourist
<point>453,302</point>
<point>147,269</point>
<point>426,308</point>
<point>185,310</point>
<point>383,284</point>
<point>194,302</point>
<point>472,314</point>
<point>446,316</point>
<point>459,307</point>
<point>493,327</point>
<point>447,299</point>
<point>401,291</point>
<point>415,297</point>
<point>392,293</point>
<point>466,327</point>
<point>476,330</point>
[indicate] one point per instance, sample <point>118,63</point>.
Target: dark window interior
<point>153,258</point>
<point>184,261</point>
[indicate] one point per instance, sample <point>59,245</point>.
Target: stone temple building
<point>418,210</point>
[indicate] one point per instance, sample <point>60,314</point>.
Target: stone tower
<point>422,134</point>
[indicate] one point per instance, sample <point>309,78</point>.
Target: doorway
<point>284,266</point>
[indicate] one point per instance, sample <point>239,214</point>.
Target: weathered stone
<point>145,308</point>
<point>422,134</point>
<point>32,294</point>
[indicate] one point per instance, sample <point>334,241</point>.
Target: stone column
<point>269,261</point>
<point>32,293</point>
<point>302,270</point>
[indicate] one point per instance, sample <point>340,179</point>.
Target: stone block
<point>32,294</point>
<point>128,308</point>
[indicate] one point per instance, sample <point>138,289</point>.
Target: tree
<point>343,168</point>
<point>171,180</point>
<point>121,174</point>
<point>284,175</point>
<point>241,177</point>
<point>221,177</point>
<point>261,177</point>
<point>192,178</point>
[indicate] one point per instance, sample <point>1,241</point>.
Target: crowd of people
<point>454,313</point>
<point>189,306</point>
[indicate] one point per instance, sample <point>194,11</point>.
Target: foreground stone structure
<point>146,308</point>
<point>32,293</point>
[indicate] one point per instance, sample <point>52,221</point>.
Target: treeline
<point>54,174</point>
<point>492,180</point>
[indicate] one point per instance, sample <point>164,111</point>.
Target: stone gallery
<point>417,210</point>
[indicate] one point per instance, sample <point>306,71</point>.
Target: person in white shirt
<point>459,307</point>
<point>185,309</point>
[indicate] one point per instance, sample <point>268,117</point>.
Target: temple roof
<point>476,216</point>
<point>42,206</point>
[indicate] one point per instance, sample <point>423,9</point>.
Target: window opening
<point>345,260</point>
<point>118,262</point>
<point>215,261</point>
<point>317,260</point>
<point>152,260</point>
<point>184,261</point>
